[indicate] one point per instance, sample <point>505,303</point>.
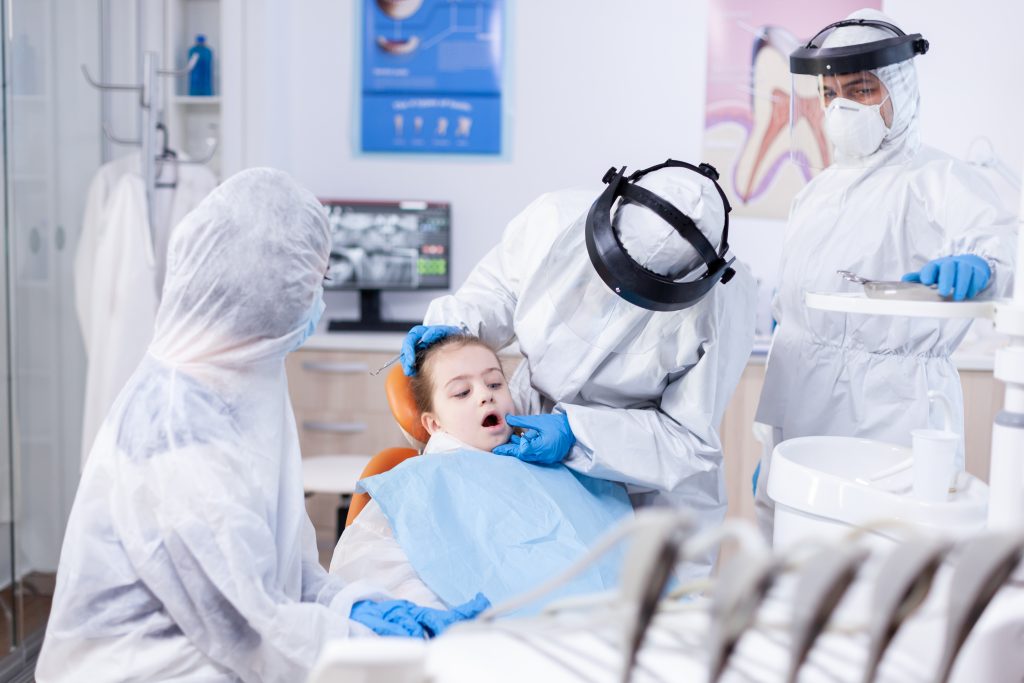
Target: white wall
<point>589,85</point>
<point>971,77</point>
<point>585,90</point>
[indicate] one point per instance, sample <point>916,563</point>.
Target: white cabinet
<point>339,406</point>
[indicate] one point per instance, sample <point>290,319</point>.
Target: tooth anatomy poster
<point>432,76</point>
<point>747,134</point>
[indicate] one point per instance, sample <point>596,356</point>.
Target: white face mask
<point>856,130</point>
<point>317,310</point>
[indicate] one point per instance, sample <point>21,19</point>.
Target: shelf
<point>846,302</point>
<point>192,101</point>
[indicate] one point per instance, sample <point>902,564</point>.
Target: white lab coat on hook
<point>119,271</point>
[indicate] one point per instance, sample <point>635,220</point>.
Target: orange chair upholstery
<point>403,407</point>
<point>382,462</point>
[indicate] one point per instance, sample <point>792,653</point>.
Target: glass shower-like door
<point>7,588</point>
<point>51,149</point>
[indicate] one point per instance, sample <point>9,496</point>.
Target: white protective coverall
<point>880,216</point>
<point>644,391</point>
<point>189,554</point>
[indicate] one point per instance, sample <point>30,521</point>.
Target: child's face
<point>471,397</point>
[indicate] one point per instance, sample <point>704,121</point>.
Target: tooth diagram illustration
<point>769,141</point>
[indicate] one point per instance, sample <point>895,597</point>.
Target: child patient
<point>458,519</point>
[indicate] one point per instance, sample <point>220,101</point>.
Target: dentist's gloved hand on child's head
<point>964,276</point>
<point>546,441</point>
<point>420,337</point>
<point>405,619</point>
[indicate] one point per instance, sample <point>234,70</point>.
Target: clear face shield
<point>840,110</point>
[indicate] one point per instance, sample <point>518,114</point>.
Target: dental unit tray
<point>858,302</point>
<point>893,289</point>
<point>886,297</point>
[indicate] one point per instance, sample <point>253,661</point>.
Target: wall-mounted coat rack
<point>151,103</point>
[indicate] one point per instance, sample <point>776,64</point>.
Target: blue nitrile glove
<point>753,480</point>
<point>420,337</point>
<point>388,617</point>
<point>546,441</point>
<point>435,621</point>
<point>405,619</point>
<point>963,276</point>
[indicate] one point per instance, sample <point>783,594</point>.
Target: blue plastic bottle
<point>200,79</point>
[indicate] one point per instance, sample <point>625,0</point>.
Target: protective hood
<point>655,244</point>
<point>900,79</point>
<point>668,219</point>
<point>244,272</point>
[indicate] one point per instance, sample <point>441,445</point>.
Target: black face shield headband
<point>814,60</point>
<point>626,277</point>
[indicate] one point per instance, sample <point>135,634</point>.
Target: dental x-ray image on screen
<point>388,245</point>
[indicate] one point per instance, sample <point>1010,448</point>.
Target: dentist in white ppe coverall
<point>887,207</point>
<point>189,554</point>
<point>614,389</point>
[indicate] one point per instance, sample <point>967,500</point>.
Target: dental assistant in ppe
<point>635,324</point>
<point>189,554</point>
<point>888,206</point>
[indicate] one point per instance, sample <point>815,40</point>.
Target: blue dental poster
<point>432,76</point>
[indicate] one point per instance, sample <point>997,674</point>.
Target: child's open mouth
<point>491,420</point>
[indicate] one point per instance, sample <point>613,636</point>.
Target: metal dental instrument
<point>893,289</point>
<point>853,277</point>
<point>387,365</point>
<point>395,359</point>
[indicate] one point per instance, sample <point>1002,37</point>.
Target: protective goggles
<point>814,60</point>
<point>627,278</point>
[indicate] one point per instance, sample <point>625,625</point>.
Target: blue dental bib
<point>471,521</point>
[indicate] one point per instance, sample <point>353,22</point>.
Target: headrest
<point>403,406</point>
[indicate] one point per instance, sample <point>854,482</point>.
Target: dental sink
<point>825,486</point>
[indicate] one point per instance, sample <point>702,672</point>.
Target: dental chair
<point>403,407</point>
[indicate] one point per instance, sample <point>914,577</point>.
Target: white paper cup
<point>934,463</point>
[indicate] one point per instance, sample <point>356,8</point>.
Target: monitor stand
<point>369,317</point>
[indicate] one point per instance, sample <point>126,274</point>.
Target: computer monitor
<point>386,245</point>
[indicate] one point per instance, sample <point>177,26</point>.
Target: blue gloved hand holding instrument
<point>545,439</point>
<point>420,337</point>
